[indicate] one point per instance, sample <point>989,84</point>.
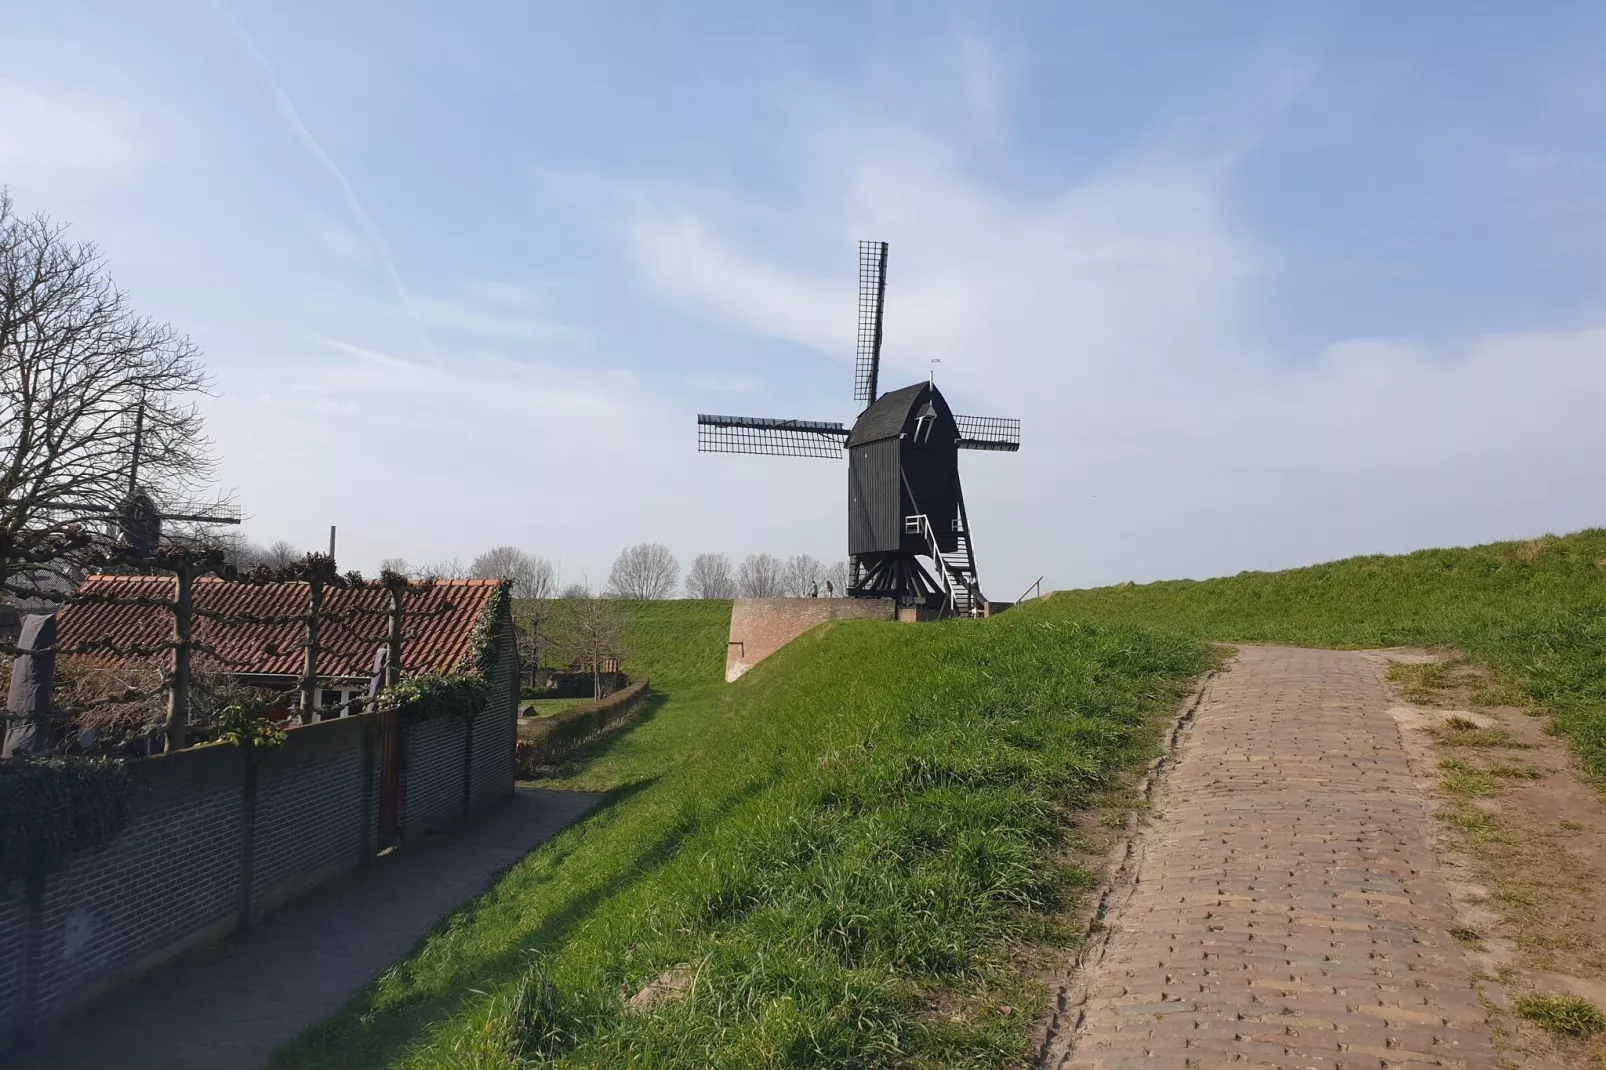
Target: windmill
<point>905,503</point>
<point>135,520</point>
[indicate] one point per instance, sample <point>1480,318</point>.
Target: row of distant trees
<point>646,570</point>
<point>649,570</point>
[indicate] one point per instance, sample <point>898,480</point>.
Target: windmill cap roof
<point>888,414</point>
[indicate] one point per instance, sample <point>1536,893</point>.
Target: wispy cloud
<point>292,117</point>
<point>500,320</point>
<point>51,138</point>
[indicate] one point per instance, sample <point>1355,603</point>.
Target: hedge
<point>54,806</point>
<point>549,740</point>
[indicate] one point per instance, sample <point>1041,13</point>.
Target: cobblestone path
<point>1288,911</point>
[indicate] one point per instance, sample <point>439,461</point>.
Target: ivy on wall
<point>482,641</point>
<point>54,806</point>
<point>423,698</point>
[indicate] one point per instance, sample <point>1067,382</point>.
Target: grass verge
<point>834,862</point>
<point>1534,612</point>
<point>1568,1015</point>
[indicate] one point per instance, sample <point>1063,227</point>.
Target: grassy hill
<point>1534,612</point>
<point>839,854</point>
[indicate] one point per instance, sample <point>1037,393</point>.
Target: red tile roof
<point>430,644</point>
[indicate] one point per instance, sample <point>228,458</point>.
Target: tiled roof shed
<point>440,642</point>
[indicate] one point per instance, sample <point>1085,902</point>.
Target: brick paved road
<point>1288,911</point>
<point>230,1009</point>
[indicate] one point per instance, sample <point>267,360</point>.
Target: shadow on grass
<point>368,1033</point>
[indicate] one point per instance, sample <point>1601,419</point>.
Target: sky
<point>1265,283</point>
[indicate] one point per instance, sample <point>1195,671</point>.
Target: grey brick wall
<point>309,812</point>
<point>432,780</point>
<point>13,931</point>
<point>175,870</point>
<point>496,727</point>
<point>172,879</point>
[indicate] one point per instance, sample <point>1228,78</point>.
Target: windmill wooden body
<point>909,536</point>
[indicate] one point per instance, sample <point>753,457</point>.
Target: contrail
<point>287,108</point>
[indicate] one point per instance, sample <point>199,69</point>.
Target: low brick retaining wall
<point>761,626</point>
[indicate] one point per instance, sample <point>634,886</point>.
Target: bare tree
<point>446,568</point>
<point>532,630</point>
<point>759,576</point>
<point>242,553</point>
<point>711,576</point>
<point>82,376</point>
<point>645,570</point>
<point>802,576</point>
<point>533,577</point>
<point>398,565</point>
<point>589,631</point>
<point>281,554</point>
<point>575,590</point>
<point>834,580</point>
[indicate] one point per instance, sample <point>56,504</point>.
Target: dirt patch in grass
<point>1524,830</point>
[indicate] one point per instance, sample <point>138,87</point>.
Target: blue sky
<point>1266,283</point>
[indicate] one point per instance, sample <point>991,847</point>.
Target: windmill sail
<point>988,433</point>
<point>774,438</point>
<point>872,293</point>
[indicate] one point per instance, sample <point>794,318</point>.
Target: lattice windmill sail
<point>908,533</point>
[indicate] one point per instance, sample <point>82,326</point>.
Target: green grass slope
<point>1534,612</point>
<point>863,823</point>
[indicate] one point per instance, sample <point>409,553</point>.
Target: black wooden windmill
<point>905,503</point>
<point>135,520</point>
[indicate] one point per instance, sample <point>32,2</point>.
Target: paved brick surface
<point>1288,910</point>
<point>229,1009</point>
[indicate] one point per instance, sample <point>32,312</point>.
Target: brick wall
<point>173,880</point>
<point>495,729</point>
<point>173,873</point>
<point>432,775</point>
<point>761,626</point>
<point>310,819</point>
<point>13,931</point>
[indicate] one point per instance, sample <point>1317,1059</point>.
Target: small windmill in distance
<point>136,518</point>
<point>905,503</point>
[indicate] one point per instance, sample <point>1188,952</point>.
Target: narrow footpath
<point>1287,909</point>
<point>230,1007</point>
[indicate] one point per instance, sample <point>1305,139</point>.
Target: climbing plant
<point>482,640</point>
<point>424,698</point>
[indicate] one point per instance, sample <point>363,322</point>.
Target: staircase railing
<point>951,582</point>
